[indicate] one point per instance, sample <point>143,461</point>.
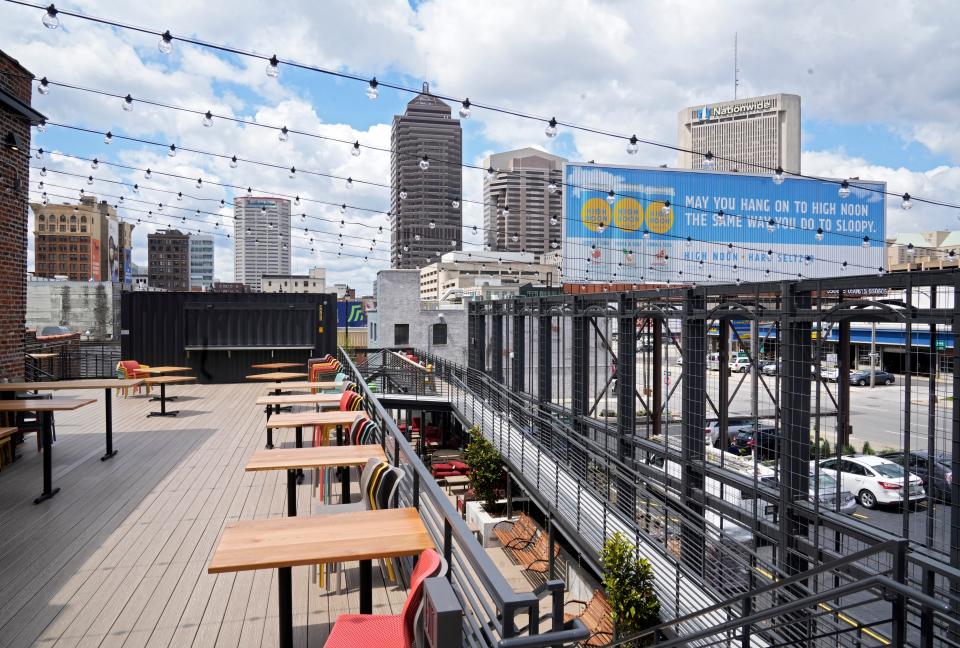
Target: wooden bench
<point>536,557</point>
<point>516,534</point>
<point>597,616</point>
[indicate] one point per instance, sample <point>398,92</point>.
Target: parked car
<point>874,480</point>
<point>830,374</point>
<point>862,378</point>
<point>827,493</point>
<point>770,368</point>
<point>734,423</point>
<point>920,464</point>
<point>53,329</point>
<point>739,364</point>
<point>760,438</point>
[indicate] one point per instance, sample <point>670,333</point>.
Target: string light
<point>372,91</point>
<point>553,220</point>
<point>424,163</point>
<point>633,146</point>
<point>455,204</point>
<point>611,197</point>
<point>172,151</point>
<point>233,162</point>
<point>491,173</point>
<point>906,203</point>
<point>148,174</point>
<point>778,176</point>
<point>552,187</point>
<point>42,127</point>
<point>179,196</point>
<point>708,163</point>
<point>273,67</point>
<point>866,242</point>
<point>844,190</point>
<point>349,183</point>
<point>665,209</point>
<point>293,172</point>
<point>108,138</point>
<point>166,43</point>
<point>199,184</point>
<point>50,18</point>
<point>771,225</point>
<point>44,87</point>
<point>355,151</point>
<point>465,109</point>
<point>551,130</point>
<point>432,225</point>
<point>284,134</point>
<point>819,235</point>
<point>127,104</point>
<point>94,164</point>
<point>403,193</point>
<point>89,180</point>
<point>208,119</point>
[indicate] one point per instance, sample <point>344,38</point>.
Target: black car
<point>761,438</point>
<point>940,469</point>
<point>734,423</point>
<point>862,378</point>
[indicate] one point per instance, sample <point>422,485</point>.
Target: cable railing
<point>493,612</point>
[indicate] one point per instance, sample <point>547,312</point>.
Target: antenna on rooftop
<point>736,68</point>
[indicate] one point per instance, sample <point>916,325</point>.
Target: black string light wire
<point>373,85</point>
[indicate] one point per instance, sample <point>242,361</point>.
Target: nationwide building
<point>82,241</point>
<point>523,201</point>
<point>201,261</point>
<point>457,274</point>
<point>168,260</point>
<point>314,282</point>
<point>261,239</point>
<point>755,135</point>
<point>425,182</point>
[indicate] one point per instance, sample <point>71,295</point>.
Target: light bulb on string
<point>611,197</point>
<point>552,187</point>
<point>665,209</point>
<point>455,204</point>
<point>108,138</point>
<point>844,190</point>
<point>172,151</point>
<point>136,188</point>
<point>223,203</point>
<point>880,271</point>
<point>94,164</point>
<point>148,174</point>
<point>42,127</point>
<point>233,162</point>
<point>416,237</point>
<point>465,109</point>
<point>355,151</point>
<point>866,242</point>
<point>689,241</point>
<point>44,200</point>
<point>159,208</point>
<point>284,134</point>
<point>199,184</point>
<point>127,104</point>
<point>553,220</point>
<point>633,146</point>
<point>296,202</point>
<point>807,260</point>
<point>514,238</point>
<point>38,154</point>
<point>89,180</point>
<point>432,225</point>
<point>708,163</point>
<point>910,250</point>
<point>372,91</point>
<point>769,255</point>
<point>208,119</point>
<point>491,173</point>
<point>343,208</point>
<point>843,266</point>
<point>349,183</point>
<point>249,191</point>
<point>263,211</point>
<point>646,233</point>
<point>551,129</point>
<point>273,67</point>
<point>179,196</point>
<point>50,18</point>
<point>424,163</point>
<point>293,172</point>
<point>906,203</point>
<point>403,193</point>
<point>771,225</point>
<point>819,234</point>
<point>166,43</point>
<point>778,176</point>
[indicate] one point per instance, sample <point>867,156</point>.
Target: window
<point>401,334</point>
<point>439,333</point>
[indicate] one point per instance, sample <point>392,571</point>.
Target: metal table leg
<point>366,587</point>
<point>269,445</point>
<point>108,405</point>
<point>285,583</point>
<point>46,431</point>
<point>299,445</point>
<point>163,404</point>
<point>292,493</point>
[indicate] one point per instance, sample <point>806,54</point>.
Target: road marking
<point>856,624</point>
<point>860,515</point>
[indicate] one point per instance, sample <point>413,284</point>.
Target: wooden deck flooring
<point>119,556</point>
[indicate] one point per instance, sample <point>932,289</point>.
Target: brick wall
<point>13,220</point>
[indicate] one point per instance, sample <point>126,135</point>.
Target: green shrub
<point>849,449</point>
<point>824,448</point>
<point>867,450</point>
<point>486,467</point>
<point>628,581</point>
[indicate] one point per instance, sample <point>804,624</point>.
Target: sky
<point>878,82</point>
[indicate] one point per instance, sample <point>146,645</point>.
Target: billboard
<point>113,249</point>
<point>95,274</point>
<point>715,227</point>
<point>350,314</point>
<point>127,265</point>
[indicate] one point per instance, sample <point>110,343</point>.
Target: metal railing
<point>71,360</point>
<point>493,612</point>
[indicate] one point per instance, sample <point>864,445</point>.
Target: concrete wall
<point>79,305</point>
<point>398,302</point>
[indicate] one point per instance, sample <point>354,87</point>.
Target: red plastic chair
<point>387,630</point>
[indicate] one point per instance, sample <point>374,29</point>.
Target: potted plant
<point>628,581</point>
<point>485,468</point>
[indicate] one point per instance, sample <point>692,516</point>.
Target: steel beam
<point>626,401</point>
<point>693,422</point>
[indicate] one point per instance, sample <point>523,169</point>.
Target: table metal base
<point>46,496</point>
<point>163,404</point>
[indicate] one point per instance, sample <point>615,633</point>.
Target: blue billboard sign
<point>714,227</point>
<point>127,266</point>
<point>350,314</point>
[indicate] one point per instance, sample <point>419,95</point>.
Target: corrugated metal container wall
<point>219,335</point>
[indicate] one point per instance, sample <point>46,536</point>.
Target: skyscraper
<point>518,202</point>
<point>426,215</point>
<point>168,260</point>
<point>261,238</point>
<point>201,261</point>
<point>758,131</point>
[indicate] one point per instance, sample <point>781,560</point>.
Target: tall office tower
<point>261,239</point>
<point>519,203</point>
<point>426,216</point>
<point>168,260</point>
<point>81,241</point>
<point>201,261</point>
<point>759,131</point>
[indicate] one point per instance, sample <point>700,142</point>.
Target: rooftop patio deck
<point>119,557</point>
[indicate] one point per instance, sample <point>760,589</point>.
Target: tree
<point>628,581</point>
<point>486,467</point>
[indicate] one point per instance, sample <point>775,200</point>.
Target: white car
<point>873,480</point>
<point>739,364</point>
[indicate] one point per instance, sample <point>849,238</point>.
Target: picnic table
<point>8,390</point>
<point>295,459</point>
<point>163,381</point>
<point>45,407</point>
<point>283,543</point>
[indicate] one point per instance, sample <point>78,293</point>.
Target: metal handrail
<point>507,602</point>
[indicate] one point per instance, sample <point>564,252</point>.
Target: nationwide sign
<point>680,226</point>
<point>715,112</point>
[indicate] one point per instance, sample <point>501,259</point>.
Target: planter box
<point>484,522</point>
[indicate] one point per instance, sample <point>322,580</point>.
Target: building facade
<point>426,216</point>
<point>457,273</point>
<point>762,131</point>
<point>201,261</point>
<point>168,260</point>
<point>82,241</point>
<point>126,252</point>
<point>261,239</point>
<point>523,201</point>
<point>314,282</point>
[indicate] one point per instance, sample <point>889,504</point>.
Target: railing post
<point>519,351</point>
<point>899,612</point>
<point>448,546</point>
<point>626,403</point>
<point>551,541</point>
<point>496,344</point>
<point>693,422</point>
<point>580,380</point>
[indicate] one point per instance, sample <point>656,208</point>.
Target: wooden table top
<point>162,370</point>
<point>307,540</point>
<point>44,404</point>
<point>88,383</point>
<point>323,384</point>
<point>306,419</point>
<point>277,365</point>
<point>320,457</point>
<point>453,480</point>
<point>277,376</point>
<point>169,380</point>
<point>41,356</point>
<point>300,399</point>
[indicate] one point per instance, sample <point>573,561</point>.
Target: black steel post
<point>108,406</point>
<point>551,542</point>
<point>843,383</point>
<point>291,492</point>
<point>519,352</point>
<point>285,599</point>
<point>496,344</point>
<point>955,466</point>
<point>544,355</point>
<point>366,586</point>
<point>580,380</point>
<point>723,387</point>
<point>626,402</point>
<point>693,422</point>
<point>46,432</point>
<point>656,377</point>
